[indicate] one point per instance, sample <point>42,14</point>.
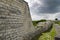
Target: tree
<point>56,18</point>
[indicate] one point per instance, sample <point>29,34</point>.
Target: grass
<point>46,35</point>
<point>57,22</point>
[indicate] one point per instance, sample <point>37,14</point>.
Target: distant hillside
<point>36,22</point>
<point>57,22</point>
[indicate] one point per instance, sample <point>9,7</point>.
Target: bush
<point>56,18</point>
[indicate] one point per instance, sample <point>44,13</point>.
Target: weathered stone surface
<point>57,29</point>
<point>15,21</point>
<point>44,25</point>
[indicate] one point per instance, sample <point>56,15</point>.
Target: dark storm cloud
<point>47,6</point>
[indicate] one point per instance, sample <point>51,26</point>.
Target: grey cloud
<point>48,6</point>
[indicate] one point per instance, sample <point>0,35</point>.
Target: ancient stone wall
<point>15,21</point>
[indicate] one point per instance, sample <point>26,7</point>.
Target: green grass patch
<point>46,35</point>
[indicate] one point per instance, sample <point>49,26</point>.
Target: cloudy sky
<point>44,9</point>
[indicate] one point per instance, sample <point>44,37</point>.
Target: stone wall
<point>15,20</point>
